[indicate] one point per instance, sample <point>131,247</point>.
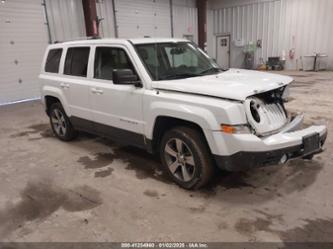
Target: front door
<point>223,51</point>
<point>117,109</point>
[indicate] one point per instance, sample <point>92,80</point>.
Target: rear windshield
<point>53,60</point>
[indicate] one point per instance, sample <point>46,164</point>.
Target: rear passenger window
<point>107,59</point>
<point>53,61</point>
<point>76,62</point>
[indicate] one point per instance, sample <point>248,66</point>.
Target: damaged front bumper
<point>291,142</point>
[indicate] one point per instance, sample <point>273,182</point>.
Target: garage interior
<point>110,192</point>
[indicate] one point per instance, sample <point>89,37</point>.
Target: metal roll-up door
<point>142,18</point>
<point>22,44</point>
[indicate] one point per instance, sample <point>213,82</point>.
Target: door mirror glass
<point>125,77</point>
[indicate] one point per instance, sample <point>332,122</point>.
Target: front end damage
<point>266,113</point>
<point>276,136</point>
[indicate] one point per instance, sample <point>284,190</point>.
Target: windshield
<point>166,61</point>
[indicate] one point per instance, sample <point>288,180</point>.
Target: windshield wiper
<point>189,75</point>
<point>180,76</point>
<point>212,70</point>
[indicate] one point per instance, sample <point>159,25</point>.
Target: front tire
<point>186,157</point>
<point>60,123</point>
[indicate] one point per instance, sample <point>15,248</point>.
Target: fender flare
<point>56,93</point>
<point>202,117</point>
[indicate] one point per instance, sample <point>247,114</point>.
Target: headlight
<point>286,94</point>
<point>254,111</point>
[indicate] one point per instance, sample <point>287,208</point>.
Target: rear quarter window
<point>76,62</point>
<point>53,60</point>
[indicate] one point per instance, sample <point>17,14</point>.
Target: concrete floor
<point>93,190</point>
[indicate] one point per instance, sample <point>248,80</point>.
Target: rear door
<point>51,75</point>
<point>117,109</point>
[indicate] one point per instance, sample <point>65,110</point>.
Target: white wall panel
<point>303,25</point>
<point>105,11</point>
<point>143,18</point>
<point>247,23</point>
<point>22,43</point>
<point>308,29</point>
<point>185,18</point>
<point>66,19</point>
<point>148,18</point>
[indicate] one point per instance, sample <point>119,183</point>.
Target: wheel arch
<point>49,101</point>
<point>164,123</point>
<point>52,95</point>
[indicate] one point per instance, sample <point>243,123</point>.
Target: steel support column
<point>202,23</point>
<point>90,17</point>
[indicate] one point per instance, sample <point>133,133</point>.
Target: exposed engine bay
<point>266,112</point>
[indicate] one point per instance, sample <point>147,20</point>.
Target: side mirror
<point>125,77</point>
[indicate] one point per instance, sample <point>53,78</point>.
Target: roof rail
<point>79,39</point>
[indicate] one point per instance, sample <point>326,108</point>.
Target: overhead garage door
<point>143,18</point>
<point>23,38</point>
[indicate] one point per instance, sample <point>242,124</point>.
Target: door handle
<point>64,85</point>
<point>96,91</point>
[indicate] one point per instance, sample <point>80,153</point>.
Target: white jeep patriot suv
<point>168,97</point>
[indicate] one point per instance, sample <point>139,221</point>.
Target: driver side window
<point>108,59</point>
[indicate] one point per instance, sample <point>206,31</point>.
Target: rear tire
<point>186,157</point>
<point>60,123</point>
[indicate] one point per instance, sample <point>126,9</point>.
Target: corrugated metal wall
<point>105,12</point>
<point>66,19</point>
<point>303,25</point>
<point>22,42</point>
<point>148,18</point>
<point>143,18</point>
<point>185,18</point>
<point>306,25</point>
<point>137,18</point>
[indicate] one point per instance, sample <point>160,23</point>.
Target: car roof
<point>117,41</point>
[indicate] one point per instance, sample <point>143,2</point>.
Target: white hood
<point>237,84</point>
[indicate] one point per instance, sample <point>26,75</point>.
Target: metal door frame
<point>217,36</point>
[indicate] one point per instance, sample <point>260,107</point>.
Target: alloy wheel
<point>179,159</point>
<point>58,122</point>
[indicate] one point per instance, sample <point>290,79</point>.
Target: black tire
<point>67,132</point>
<point>310,157</point>
<point>194,144</point>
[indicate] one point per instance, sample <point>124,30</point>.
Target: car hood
<point>237,84</point>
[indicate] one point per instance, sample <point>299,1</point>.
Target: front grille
<point>272,116</point>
